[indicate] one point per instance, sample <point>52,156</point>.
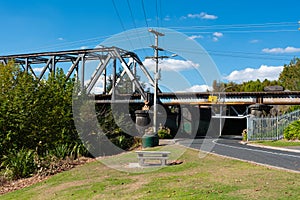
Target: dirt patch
<point>19,184</point>
<point>52,192</point>
<point>10,186</point>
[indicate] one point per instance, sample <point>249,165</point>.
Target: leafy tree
<point>249,86</point>
<point>292,132</point>
<point>290,76</point>
<point>34,115</point>
<point>14,99</point>
<point>114,125</point>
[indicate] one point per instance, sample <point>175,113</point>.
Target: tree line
<point>36,121</point>
<point>289,79</point>
<point>37,124</point>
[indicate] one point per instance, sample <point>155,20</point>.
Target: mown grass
<point>278,143</point>
<point>211,177</point>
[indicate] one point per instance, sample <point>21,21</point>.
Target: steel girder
<point>77,60</point>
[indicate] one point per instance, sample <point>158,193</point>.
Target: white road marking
<point>255,150</point>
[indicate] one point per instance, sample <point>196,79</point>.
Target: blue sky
<point>246,39</point>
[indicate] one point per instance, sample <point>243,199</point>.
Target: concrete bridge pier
<point>260,110</point>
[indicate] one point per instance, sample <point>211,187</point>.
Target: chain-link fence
<point>269,128</point>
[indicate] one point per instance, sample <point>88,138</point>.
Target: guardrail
<point>269,128</point>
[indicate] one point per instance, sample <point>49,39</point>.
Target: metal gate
<point>269,128</point>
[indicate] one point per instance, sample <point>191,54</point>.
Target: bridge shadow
<point>229,137</point>
<point>232,137</point>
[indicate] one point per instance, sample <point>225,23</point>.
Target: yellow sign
<point>212,98</point>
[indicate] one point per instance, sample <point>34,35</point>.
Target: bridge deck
<point>222,98</point>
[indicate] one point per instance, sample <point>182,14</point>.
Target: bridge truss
<point>78,59</point>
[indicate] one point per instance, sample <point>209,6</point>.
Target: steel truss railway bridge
<point>219,105</point>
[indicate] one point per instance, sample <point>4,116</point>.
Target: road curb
<point>243,160</point>
<point>270,147</point>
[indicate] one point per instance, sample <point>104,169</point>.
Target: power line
<point>131,14</point>
<point>157,17</point>
<point>145,16</point>
<point>68,44</point>
<point>161,17</point>
<point>118,14</point>
<point>247,55</point>
<point>246,31</point>
<point>133,20</point>
<point>232,26</point>
<point>185,30</point>
<point>212,52</point>
<point>86,41</point>
<point>73,43</point>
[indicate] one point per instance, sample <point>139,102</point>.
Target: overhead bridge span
<point>212,98</point>
<point>227,112</point>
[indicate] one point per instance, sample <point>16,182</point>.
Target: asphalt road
<point>233,148</point>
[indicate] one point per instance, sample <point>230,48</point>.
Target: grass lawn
<point>211,177</point>
<point>278,143</point>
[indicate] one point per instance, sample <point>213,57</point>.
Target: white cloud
<point>207,16</point>
<point>84,47</point>
<point>262,73</point>
<point>60,39</point>
<point>218,34</point>
<point>198,88</point>
<point>171,65</point>
<point>194,16</point>
<point>202,15</point>
<point>215,39</point>
<point>167,18</point>
<point>193,37</point>
<point>281,50</point>
<point>254,41</point>
<point>38,70</point>
<point>98,88</point>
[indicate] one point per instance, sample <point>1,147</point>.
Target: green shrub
<point>61,151</point>
<point>292,132</point>
<point>19,164</point>
<point>123,142</point>
<point>79,150</point>
<point>164,133</point>
<point>35,114</point>
<point>244,135</point>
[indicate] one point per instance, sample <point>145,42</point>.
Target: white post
<point>220,133</point>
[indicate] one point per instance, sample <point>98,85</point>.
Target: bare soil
<point>9,186</point>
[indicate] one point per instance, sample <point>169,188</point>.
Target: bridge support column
<point>260,110</point>
<point>259,100</point>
